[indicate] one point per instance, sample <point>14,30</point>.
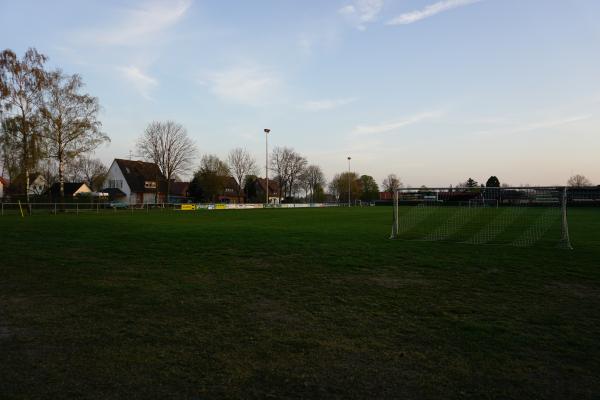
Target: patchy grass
<point>299,303</point>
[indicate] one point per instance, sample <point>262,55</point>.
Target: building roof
<point>179,188</point>
<point>231,183</point>
<point>3,181</point>
<point>273,185</point>
<point>70,188</point>
<point>137,173</point>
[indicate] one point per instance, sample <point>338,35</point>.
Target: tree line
<point>49,123</point>
<point>46,116</point>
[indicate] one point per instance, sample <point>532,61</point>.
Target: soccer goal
<point>518,216</point>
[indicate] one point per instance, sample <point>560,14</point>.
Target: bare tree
<point>10,151</point>
<point>71,121</point>
<point>241,164</point>
<point>297,164</point>
<point>169,146</point>
<point>21,85</point>
<point>92,171</point>
<point>391,183</point>
<point>579,181</point>
<point>280,165</point>
<point>287,166</point>
<point>312,179</point>
<point>48,168</point>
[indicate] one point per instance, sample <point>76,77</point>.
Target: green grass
<point>313,303</point>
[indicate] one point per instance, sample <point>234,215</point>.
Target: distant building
<point>386,196</point>
<point>37,185</point>
<point>256,188</point>
<point>231,192</point>
<point>179,192</point>
<point>135,182</point>
<point>71,189</point>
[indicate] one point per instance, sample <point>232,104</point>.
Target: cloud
<point>429,11</point>
<point>393,126</point>
<point>535,126</point>
<point>361,12</point>
<point>248,85</point>
<point>142,23</point>
<point>326,104</point>
<point>141,81</point>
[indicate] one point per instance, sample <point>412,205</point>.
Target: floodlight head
<point>267,130</point>
<point>349,158</point>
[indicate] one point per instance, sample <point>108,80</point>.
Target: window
<point>150,185</point>
<point>115,183</point>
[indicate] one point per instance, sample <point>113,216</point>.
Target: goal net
<point>518,216</point>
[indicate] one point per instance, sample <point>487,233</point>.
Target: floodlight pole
<point>267,166</point>
<point>349,158</point>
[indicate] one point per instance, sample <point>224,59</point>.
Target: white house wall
<point>114,173</point>
<point>38,186</point>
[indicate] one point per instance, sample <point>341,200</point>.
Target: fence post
<point>54,208</point>
<point>77,206</point>
<point>2,208</point>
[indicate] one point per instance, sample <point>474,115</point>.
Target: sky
<point>435,91</point>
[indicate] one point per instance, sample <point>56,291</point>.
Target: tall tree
<point>471,183</point>
<point>22,82</point>
<point>48,168</point>
<point>297,165</point>
<point>312,178</point>
<point>280,159</point>
<point>391,183</point>
<point>209,180</point>
<point>168,145</point>
<point>10,151</point>
<point>579,181</point>
<point>71,125</point>
<point>339,186</point>
<point>493,181</point>
<point>369,191</point>
<point>287,165</point>
<point>241,164</point>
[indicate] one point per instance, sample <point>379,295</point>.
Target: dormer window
<point>150,185</point>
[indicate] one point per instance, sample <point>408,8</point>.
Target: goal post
<point>518,216</point>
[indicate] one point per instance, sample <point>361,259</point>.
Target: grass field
<point>313,303</point>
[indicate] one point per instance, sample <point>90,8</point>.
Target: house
<point>135,182</point>
<point>179,192</point>
<point>231,192</point>
<point>72,189</point>
<point>37,184</point>
<point>3,186</point>
<point>386,196</point>
<point>256,188</point>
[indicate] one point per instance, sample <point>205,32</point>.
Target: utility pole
<point>349,158</point>
<point>267,166</point>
